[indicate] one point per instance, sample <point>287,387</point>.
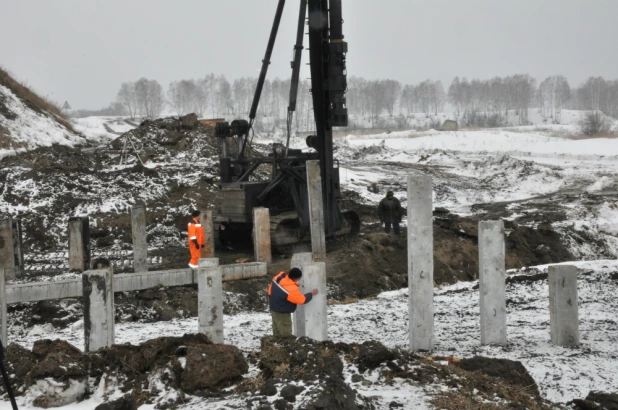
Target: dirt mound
<point>177,178</point>
<point>374,262</point>
<point>327,374</point>
<point>56,373</point>
<point>293,373</point>
<point>512,371</point>
<point>596,401</point>
<point>164,139</point>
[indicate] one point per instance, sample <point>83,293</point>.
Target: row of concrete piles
<point>563,302</point>
<point>11,251</point>
<point>97,286</point>
<point>311,320</point>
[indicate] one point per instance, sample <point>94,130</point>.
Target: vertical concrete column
<point>140,243</point>
<point>210,299</point>
<point>98,309</point>
<point>261,235</point>
<point>492,272</point>
<point>208,251</point>
<point>11,256</point>
<point>563,305</point>
<point>78,258</point>
<point>316,209</point>
<point>314,277</point>
<point>300,260</point>
<point>3,312</point>
<point>420,262</point>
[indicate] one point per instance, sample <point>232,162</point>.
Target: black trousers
<point>396,229</point>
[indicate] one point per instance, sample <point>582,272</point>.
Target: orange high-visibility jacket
<point>196,231</point>
<point>284,294</point>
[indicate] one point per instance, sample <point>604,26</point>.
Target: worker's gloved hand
<point>195,242</point>
<point>201,246</point>
<point>314,292</point>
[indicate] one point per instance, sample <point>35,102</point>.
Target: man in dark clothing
<point>283,297</point>
<point>390,212</point>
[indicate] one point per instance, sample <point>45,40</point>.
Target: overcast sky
<point>81,50</point>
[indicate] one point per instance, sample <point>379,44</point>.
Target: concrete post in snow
<point>11,254</point>
<point>261,235</point>
<point>563,305</point>
<point>300,260</point>
<point>420,262</point>
<point>3,312</point>
<point>492,288</point>
<point>316,209</point>
<point>210,299</point>
<point>79,246</point>
<point>208,251</point>
<point>140,243</point>
<point>98,291</point>
<point>314,277</point>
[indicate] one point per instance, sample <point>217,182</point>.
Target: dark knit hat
<point>389,193</point>
<point>196,213</point>
<point>295,273</point>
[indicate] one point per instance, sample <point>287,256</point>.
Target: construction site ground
<point>557,206</point>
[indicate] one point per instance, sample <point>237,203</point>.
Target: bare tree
<point>150,97</point>
<point>552,95</point>
<point>454,94</point>
<point>127,97</point>
<point>391,92</point>
<point>182,96</point>
<point>224,95</point>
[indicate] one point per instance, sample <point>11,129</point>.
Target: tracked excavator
<point>278,181</point>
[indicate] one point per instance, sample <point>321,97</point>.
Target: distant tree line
<point>478,102</point>
<point>114,109</point>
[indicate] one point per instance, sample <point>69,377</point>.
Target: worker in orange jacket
<point>283,297</point>
<point>196,238</point>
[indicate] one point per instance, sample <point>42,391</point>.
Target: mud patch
<point>511,371</point>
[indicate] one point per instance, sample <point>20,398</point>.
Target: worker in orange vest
<point>283,297</point>
<point>196,238</point>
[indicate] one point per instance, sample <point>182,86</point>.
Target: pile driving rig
<point>284,191</point>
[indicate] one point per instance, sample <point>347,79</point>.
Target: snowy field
<point>561,373</point>
<point>517,167</point>
<point>103,128</point>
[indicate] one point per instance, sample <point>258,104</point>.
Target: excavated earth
<point>285,373</point>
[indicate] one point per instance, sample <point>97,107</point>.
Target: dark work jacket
<point>390,210</point>
<point>284,294</point>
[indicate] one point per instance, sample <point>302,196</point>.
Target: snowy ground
<point>524,167</point>
<point>104,128</point>
<point>561,373</point>
<point>28,129</point>
<point>528,171</point>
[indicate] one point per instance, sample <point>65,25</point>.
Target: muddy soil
<point>166,370</point>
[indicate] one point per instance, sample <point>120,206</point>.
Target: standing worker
<point>196,238</point>
<point>283,296</point>
<point>390,213</point>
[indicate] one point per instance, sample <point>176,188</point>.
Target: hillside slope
<point>28,121</point>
